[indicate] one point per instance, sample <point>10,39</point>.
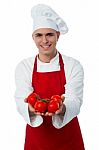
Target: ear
<point>32,36</point>
<point>58,34</point>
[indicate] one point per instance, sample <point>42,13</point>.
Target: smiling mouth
<point>45,46</point>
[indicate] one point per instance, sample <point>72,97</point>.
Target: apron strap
<point>62,72</point>
<point>35,64</point>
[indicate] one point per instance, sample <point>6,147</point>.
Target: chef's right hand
<point>32,111</point>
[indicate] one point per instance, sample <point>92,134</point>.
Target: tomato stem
<point>43,100</point>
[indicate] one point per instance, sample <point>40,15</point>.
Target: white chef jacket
<point>74,88</point>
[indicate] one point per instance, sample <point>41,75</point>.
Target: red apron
<point>46,136</point>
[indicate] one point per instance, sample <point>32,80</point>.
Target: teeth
<point>47,46</point>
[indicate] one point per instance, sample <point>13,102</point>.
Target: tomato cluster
<point>44,105</point>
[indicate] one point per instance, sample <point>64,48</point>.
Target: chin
<point>46,51</point>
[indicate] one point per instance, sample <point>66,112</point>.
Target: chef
<point>50,73</point>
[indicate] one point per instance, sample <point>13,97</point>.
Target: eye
<point>50,34</point>
<point>38,35</point>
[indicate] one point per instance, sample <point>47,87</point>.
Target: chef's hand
<point>62,108</point>
<point>60,111</point>
<point>32,110</point>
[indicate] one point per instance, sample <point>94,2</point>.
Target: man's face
<point>45,40</point>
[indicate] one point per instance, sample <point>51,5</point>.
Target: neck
<point>46,58</point>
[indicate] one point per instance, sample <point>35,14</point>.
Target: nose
<point>44,39</point>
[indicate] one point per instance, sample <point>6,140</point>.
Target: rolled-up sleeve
<point>73,93</point>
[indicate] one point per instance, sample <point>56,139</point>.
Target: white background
<point>81,42</point>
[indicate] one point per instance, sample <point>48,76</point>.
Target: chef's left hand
<point>60,111</point>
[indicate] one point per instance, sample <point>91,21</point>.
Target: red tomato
<point>56,98</point>
<point>53,106</point>
<point>40,106</point>
<point>32,98</point>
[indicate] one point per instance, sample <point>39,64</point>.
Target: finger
<point>37,113</point>
<point>63,98</point>
<point>31,108</point>
<point>46,114</point>
<point>25,100</point>
<point>42,114</point>
<point>50,114</point>
<point>61,102</point>
<point>59,110</point>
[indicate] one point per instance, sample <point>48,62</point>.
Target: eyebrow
<point>47,34</point>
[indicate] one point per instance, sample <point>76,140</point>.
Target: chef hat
<point>44,17</point>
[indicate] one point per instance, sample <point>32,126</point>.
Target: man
<point>47,74</point>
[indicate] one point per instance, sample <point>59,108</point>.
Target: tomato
<point>40,106</point>
<point>32,98</point>
<point>56,98</point>
<point>53,106</point>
